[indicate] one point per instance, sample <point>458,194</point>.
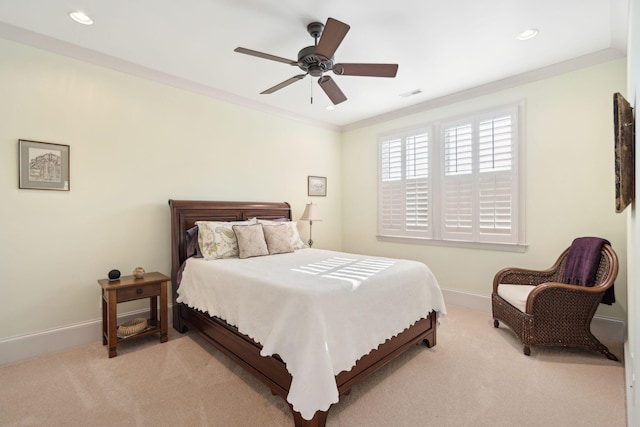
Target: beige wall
<point>134,145</point>
<point>569,180</point>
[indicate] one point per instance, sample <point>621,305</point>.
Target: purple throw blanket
<point>582,264</point>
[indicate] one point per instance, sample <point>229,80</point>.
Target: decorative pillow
<point>217,239</point>
<point>250,240</point>
<point>294,236</point>
<point>277,237</point>
<point>193,248</point>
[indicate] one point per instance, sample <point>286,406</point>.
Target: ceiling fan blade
<point>332,90</point>
<point>332,35</point>
<point>264,55</point>
<point>369,70</point>
<point>283,84</point>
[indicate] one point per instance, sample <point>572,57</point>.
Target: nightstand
<point>128,288</point>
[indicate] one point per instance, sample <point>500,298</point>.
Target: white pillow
<point>217,239</point>
<point>294,236</point>
<point>250,240</point>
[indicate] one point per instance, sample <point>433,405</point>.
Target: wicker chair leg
<point>496,323</point>
<point>526,350</point>
<point>611,356</point>
<point>604,350</point>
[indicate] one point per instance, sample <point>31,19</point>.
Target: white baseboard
<point>28,346</point>
<point>601,326</point>
<point>629,383</point>
<point>467,299</point>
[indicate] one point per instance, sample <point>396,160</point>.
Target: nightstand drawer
<point>137,292</point>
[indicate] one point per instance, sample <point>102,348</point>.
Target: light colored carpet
<point>475,376</point>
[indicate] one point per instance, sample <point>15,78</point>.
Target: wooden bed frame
<point>242,349</point>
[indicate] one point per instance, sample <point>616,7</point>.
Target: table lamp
<point>311,213</point>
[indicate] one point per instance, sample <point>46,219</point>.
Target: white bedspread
<point>319,310</point>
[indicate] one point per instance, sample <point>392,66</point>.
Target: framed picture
<point>43,165</point>
<point>317,186</point>
<point>625,169</point>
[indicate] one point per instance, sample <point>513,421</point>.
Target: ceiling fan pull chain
<point>311,80</point>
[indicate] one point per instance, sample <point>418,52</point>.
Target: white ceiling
<point>442,47</point>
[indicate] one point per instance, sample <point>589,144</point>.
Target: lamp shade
<point>311,213</point>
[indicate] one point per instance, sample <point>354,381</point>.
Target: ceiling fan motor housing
<point>314,64</point>
<point>308,60</point>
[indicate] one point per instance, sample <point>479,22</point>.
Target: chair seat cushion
<point>516,295</point>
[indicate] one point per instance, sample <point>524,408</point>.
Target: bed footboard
<point>272,370</point>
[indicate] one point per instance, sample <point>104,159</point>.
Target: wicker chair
<point>555,314</point>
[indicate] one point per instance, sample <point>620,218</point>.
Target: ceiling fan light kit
<point>317,59</point>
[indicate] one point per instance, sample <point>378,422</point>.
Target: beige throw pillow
<point>277,237</point>
<point>251,240</point>
<point>294,236</point>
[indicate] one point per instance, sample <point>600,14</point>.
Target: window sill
<point>504,247</point>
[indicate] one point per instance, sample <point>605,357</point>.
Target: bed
<point>271,370</point>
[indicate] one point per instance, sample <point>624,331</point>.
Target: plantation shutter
<point>458,185</point>
<point>497,183</point>
<point>417,182</point>
<point>391,185</point>
<point>404,185</point>
<point>480,179</point>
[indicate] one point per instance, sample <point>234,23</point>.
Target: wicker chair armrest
<point>522,276</point>
<point>563,295</point>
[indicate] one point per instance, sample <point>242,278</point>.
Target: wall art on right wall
<point>625,168</point>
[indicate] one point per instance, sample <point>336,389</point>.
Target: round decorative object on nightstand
<point>114,275</point>
<point>138,273</point>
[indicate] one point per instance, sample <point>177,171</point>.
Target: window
<point>453,181</point>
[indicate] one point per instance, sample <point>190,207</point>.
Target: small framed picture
<point>317,186</point>
<point>43,165</point>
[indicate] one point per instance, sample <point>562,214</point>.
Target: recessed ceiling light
<point>411,93</point>
<point>527,34</point>
<point>330,107</point>
<point>81,17</point>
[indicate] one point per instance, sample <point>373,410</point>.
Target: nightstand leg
<point>104,320</point>
<point>153,310</point>
<point>164,321</point>
<point>112,323</point>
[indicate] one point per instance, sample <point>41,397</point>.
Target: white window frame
<point>479,237</point>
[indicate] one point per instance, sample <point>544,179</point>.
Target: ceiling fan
<point>318,59</point>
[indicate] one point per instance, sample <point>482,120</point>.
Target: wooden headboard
<point>184,214</point>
